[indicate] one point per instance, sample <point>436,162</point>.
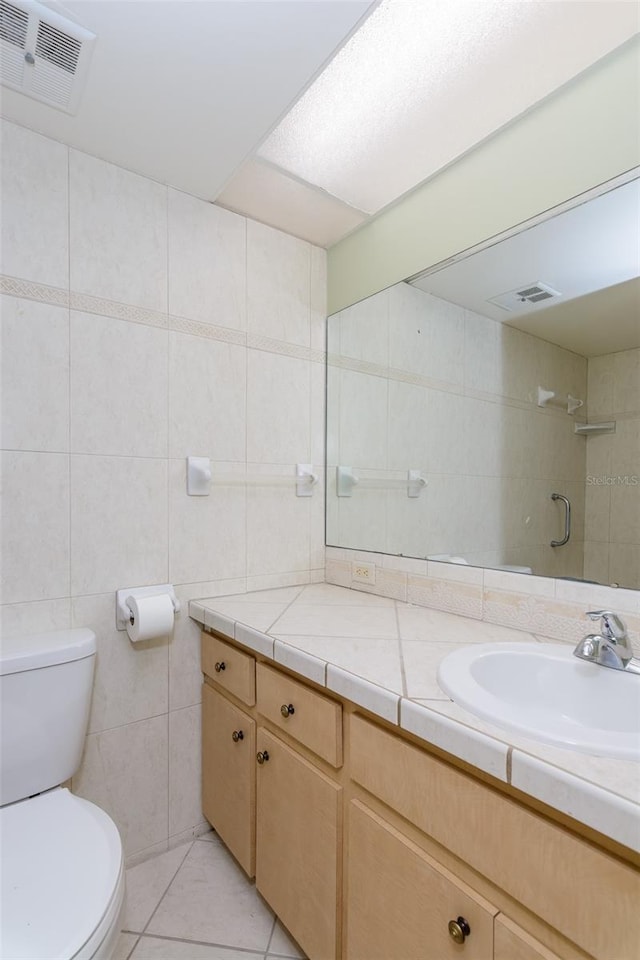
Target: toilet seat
<point>62,878</point>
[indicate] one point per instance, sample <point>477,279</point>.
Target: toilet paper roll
<point>152,617</point>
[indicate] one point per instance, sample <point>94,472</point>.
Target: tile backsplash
<point>554,609</point>
<point>140,326</point>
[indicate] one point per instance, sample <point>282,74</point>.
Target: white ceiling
<point>193,94</point>
<point>183,92</point>
<point>589,254</point>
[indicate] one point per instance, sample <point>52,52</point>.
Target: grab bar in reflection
<point>567,520</point>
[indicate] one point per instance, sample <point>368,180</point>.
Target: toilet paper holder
<point>123,612</point>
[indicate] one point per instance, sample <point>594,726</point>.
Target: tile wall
<point>612,534</point>
<point>551,609</point>
<point>139,326</point>
<point>415,382</point>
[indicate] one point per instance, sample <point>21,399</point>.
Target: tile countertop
<point>383,655</point>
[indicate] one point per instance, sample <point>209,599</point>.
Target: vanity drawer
<point>229,667</point>
<point>560,878</point>
<point>315,720</point>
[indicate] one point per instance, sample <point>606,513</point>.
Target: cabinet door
<point>297,843</point>
<point>399,901</point>
<point>228,774</point>
<point>513,943</point>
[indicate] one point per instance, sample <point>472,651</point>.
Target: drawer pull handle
<point>287,709</point>
<point>262,756</point>
<point>237,735</point>
<point>459,929</point>
<point>220,665</point>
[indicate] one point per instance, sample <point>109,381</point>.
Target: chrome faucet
<point>609,648</point>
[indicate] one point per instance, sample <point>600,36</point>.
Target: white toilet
<point>62,861</point>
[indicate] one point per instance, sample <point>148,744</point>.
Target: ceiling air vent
<point>530,295</point>
<point>43,55</point>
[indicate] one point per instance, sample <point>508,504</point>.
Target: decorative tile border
<point>297,351</point>
<point>85,303</point>
<point>464,599</point>
<point>554,610</point>
<point>118,311</point>
<point>27,290</point>
<point>207,331</point>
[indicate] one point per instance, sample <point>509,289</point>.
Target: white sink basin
<point>544,692</point>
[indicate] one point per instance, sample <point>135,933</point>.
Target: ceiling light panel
<point>423,81</point>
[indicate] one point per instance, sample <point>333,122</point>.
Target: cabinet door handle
<point>237,735</point>
<point>220,665</point>
<point>262,756</point>
<point>459,929</point>
<point>287,710</point>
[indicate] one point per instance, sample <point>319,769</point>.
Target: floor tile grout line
<point>210,943</point>
<point>273,930</point>
<point>163,895</point>
<point>137,941</point>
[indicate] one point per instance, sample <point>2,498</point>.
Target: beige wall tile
<point>130,681</point>
<point>35,201</point>
<point>317,372</point>
<point>118,523</point>
<point>318,298</point>
<point>125,771</point>
<point>363,330</point>
<point>596,561</point>
<point>278,408</point>
<point>482,359</point>
<point>544,616</point>
<point>626,381</point>
<point>118,233</point>
<point>463,598</point>
<point>207,398</point>
<point>278,538</point>
<point>118,387</point>
<point>185,676</point>
<point>363,420</point>
<point>278,285</point>
<point>207,262</point>
<point>624,564</point>
<point>600,387</point>
<point>207,534</point>
<point>338,572</point>
<point>35,376</point>
<point>185,806</point>
<point>35,526</point>
<point>129,525</point>
<point>22,619</point>
<point>408,448</point>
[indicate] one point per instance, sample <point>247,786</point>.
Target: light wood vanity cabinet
<point>268,789</point>
<point>299,809</point>
<point>425,843</point>
<point>513,943</point>
<point>298,842</point>
<point>229,774</point>
<point>399,901</point>
<point>232,669</point>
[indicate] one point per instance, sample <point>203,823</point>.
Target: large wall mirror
<point>488,411</point>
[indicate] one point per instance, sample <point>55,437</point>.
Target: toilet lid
<point>61,864</point>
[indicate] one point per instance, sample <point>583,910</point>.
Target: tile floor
<point>195,903</point>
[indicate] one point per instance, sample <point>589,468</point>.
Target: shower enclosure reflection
<point>489,406</point>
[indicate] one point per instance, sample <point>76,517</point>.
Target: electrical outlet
<point>363,572</point>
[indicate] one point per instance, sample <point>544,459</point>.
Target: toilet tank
<point>45,696</point>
